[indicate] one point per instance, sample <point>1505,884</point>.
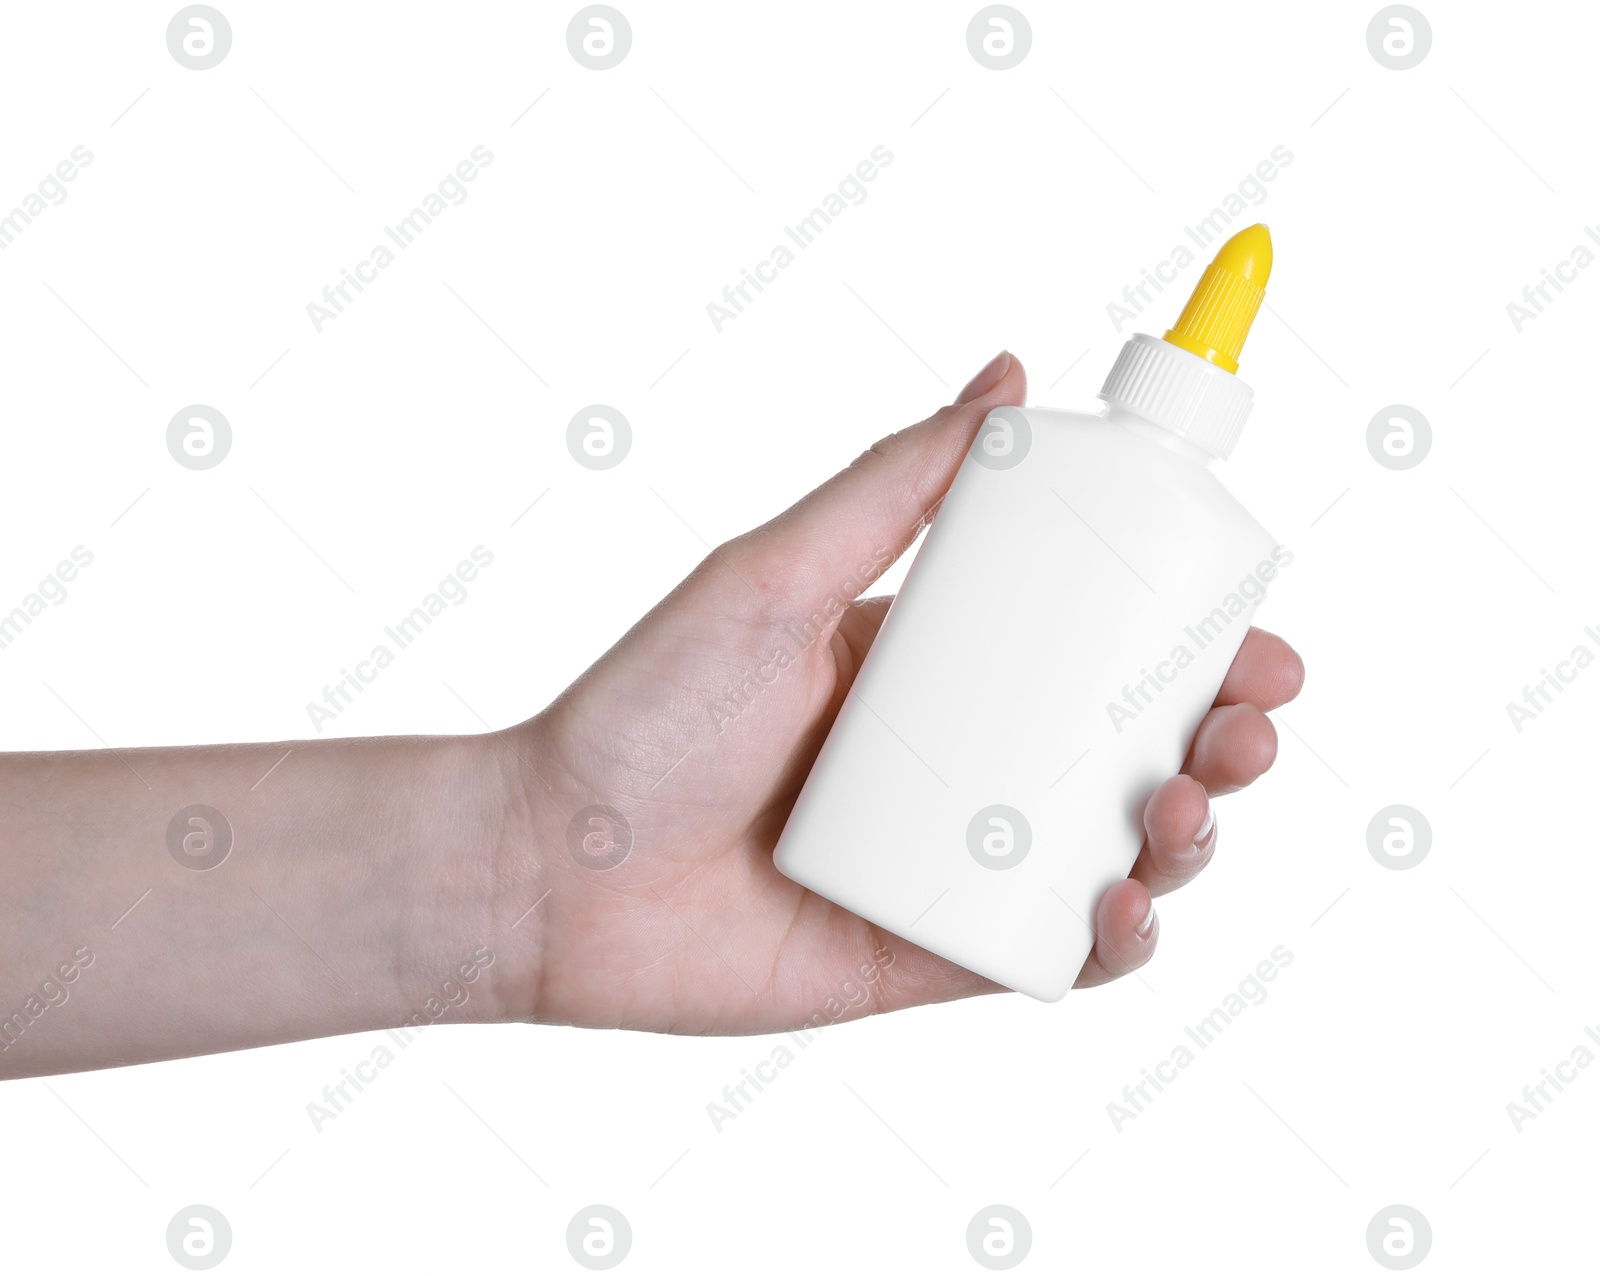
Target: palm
<point>706,935</point>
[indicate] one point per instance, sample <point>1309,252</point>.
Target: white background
<point>368,459</point>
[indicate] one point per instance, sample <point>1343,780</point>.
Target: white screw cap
<point>1179,391</point>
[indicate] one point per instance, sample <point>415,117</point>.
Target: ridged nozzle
<point>1224,303</point>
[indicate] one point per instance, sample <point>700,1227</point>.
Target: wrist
<point>427,874</point>
<point>401,870</point>
<point>495,780</point>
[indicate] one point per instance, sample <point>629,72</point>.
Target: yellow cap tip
<point>1218,316</point>
<point>1248,254</point>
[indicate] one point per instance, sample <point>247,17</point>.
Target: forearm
<point>359,890</point>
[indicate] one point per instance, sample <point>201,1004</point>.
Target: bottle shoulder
<point>1108,463</point>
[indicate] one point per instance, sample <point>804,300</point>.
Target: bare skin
<point>368,877</point>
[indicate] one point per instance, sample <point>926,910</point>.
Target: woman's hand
<point>695,931</point>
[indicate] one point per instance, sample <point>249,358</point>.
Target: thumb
<point>865,517</point>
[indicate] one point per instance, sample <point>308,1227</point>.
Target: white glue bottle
<point>1058,639</point>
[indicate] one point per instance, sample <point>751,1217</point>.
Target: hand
<point>696,931</point>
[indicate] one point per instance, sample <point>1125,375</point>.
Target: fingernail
<point>1143,929</point>
<point>1207,833</point>
<point>988,377</point>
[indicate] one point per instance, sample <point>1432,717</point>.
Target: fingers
<point>1180,835</point>
<point>1233,747</point>
<point>1126,929</point>
<point>1267,673</point>
<point>846,533</point>
<point>1235,744</point>
<point>988,377</point>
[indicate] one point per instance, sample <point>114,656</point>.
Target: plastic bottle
<point>1062,632</point>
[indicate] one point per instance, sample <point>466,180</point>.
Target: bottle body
<point>1063,630</point>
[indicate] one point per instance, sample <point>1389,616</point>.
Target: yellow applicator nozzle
<point>1224,303</point>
